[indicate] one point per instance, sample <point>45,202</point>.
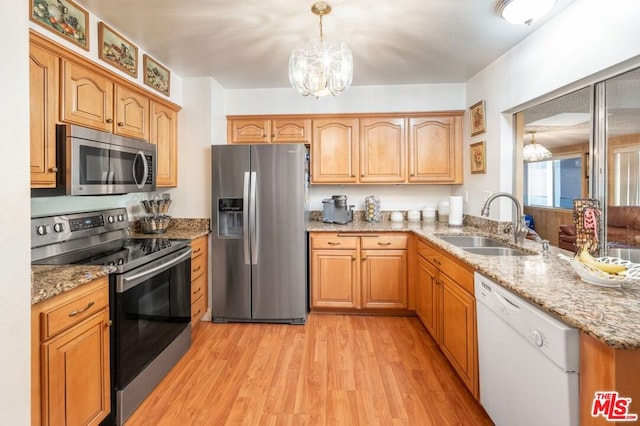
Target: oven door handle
<point>130,281</point>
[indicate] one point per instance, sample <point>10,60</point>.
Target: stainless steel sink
<point>497,251</point>
<point>472,241</point>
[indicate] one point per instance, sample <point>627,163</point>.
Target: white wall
<point>577,47</point>
<point>361,99</point>
<point>15,287</point>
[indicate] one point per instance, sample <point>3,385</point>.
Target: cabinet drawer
<point>384,242</point>
<point>198,266</point>
<point>198,287</point>
<point>425,250</point>
<point>197,311</point>
<point>458,272</point>
<point>332,241</point>
<point>62,317</point>
<point>198,247</point>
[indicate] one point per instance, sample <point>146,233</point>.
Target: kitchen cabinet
<point>382,150</point>
<point>446,306</point>
<point>70,357</point>
<point>164,134</point>
<point>43,115</point>
<point>435,149</point>
<point>263,129</point>
<point>334,150</point>
<point>199,279</point>
<point>359,272</point>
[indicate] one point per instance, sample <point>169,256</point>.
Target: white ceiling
<point>247,43</point>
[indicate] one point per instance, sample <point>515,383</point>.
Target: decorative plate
<point>595,276</point>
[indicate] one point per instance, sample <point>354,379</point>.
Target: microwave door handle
<point>245,220</point>
<point>145,165</point>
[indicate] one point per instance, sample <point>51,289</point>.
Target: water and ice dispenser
<point>230,217</point>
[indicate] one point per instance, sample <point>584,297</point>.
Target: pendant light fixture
<point>523,11</point>
<point>534,151</point>
<point>321,67</point>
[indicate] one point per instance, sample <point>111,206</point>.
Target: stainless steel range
<point>149,295</point>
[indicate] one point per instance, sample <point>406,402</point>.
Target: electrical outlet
<point>486,194</point>
<point>466,197</point>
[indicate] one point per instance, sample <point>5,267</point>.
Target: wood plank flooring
<point>335,370</point>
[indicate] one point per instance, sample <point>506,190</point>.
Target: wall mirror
<point>588,146</point>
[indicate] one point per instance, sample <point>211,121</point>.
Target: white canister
<point>396,217</point>
<point>443,211</point>
<point>413,215</point>
<point>428,214</point>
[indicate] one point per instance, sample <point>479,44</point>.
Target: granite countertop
<point>49,281</point>
<point>611,315</point>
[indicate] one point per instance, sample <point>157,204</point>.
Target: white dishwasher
<point>528,361</point>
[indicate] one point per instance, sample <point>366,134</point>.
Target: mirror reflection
<point>562,140</point>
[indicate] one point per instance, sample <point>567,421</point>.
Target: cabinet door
<point>76,364</point>
<point>382,150</point>
<point>334,279</point>
<point>248,131</point>
<point>132,114</point>
<point>459,331</point>
<point>294,130</point>
<point>334,151</point>
<point>164,134</point>
<point>87,97</point>
<point>43,114</point>
<point>384,279</point>
<point>435,149</point>
<point>428,297</point>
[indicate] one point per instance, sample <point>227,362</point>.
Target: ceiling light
<point>535,151</point>
<point>321,67</point>
<point>523,11</point>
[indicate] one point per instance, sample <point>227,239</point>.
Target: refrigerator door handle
<point>253,212</point>
<point>245,219</point>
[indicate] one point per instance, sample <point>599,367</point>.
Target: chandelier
<point>321,67</point>
<point>523,11</point>
<point>534,151</point>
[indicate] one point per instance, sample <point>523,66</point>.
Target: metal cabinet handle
<point>120,124</point>
<point>384,244</point>
<point>197,269</point>
<point>196,252</point>
<point>109,120</point>
<point>109,323</point>
<point>54,170</point>
<point>353,175</point>
<point>198,290</point>
<point>79,311</point>
<point>334,243</point>
<point>364,258</point>
<point>353,258</point>
<point>437,261</point>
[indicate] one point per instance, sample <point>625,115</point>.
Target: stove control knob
<point>41,230</point>
<point>111,219</point>
<point>537,338</point>
<point>120,218</point>
<point>58,227</point>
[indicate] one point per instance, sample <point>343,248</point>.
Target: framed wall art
<point>63,17</point>
<point>117,50</point>
<point>478,157</point>
<point>477,118</point>
<point>155,75</point>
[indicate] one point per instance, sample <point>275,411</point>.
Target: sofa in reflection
<point>623,229</point>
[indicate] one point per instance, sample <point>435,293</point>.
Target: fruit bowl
<point>593,275</point>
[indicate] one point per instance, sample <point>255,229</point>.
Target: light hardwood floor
<point>335,370</point>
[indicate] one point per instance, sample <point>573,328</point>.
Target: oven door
<point>153,307</point>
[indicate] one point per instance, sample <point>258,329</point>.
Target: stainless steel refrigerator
<point>259,222</point>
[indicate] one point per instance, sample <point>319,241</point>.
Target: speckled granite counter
<point>610,315</point>
<point>49,281</point>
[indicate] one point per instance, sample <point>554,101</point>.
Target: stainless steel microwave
<point>93,162</point>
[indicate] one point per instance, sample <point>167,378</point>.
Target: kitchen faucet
<point>520,228</point>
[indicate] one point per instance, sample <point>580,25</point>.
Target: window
<point>553,183</point>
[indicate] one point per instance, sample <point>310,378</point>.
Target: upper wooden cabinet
<point>43,110</point>
<point>435,149</point>
<point>131,113</point>
<point>164,134</point>
<point>334,150</point>
<point>382,150</point>
<point>268,130</point>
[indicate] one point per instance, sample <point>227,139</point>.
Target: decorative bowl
<point>598,277</point>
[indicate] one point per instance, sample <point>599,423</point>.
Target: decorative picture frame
<point>155,75</point>
<point>63,17</point>
<point>478,159</point>
<point>117,50</point>
<point>478,119</point>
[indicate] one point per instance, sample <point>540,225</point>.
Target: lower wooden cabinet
<point>446,305</point>
<point>359,272</point>
<point>199,279</point>
<point>70,357</point>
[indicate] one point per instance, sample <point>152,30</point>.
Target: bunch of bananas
<point>585,257</point>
